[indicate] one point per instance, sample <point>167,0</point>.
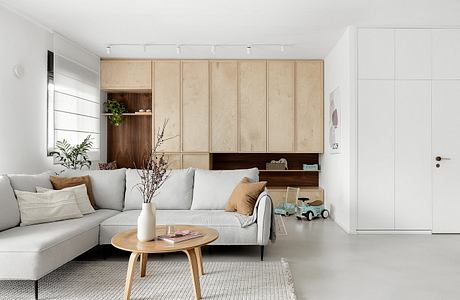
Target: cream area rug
<point>165,280</point>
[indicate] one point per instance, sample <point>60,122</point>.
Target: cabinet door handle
<point>439,158</point>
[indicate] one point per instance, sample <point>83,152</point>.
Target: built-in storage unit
<point>405,150</point>
<point>256,107</point>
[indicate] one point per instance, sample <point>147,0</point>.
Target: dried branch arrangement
<point>155,170</point>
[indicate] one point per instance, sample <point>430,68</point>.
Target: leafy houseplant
<point>153,175</point>
<point>73,157</point>
<point>117,109</point>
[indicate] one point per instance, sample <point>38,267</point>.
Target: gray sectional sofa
<point>189,196</point>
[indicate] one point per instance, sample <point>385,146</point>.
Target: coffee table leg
<point>130,274</point>
<point>199,259</point>
<point>191,254</point>
<point>144,258</point>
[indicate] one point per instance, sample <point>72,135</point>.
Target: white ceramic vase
<point>146,223</point>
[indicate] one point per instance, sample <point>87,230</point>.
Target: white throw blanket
<point>246,221</point>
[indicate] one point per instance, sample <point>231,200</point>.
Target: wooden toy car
<point>311,209</point>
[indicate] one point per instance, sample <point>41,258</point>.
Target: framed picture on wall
<point>335,129</point>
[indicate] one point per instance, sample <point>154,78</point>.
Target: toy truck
<point>310,209</point>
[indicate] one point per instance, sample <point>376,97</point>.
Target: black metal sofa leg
<point>36,289</point>
<point>262,248</point>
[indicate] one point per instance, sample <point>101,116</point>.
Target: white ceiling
<point>312,25</point>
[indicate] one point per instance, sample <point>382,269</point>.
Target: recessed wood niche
<point>129,143</point>
<point>294,176</point>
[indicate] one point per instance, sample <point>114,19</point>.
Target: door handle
<point>439,158</point>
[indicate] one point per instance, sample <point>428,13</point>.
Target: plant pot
<point>146,223</point>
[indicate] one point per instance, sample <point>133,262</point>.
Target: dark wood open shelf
<point>294,176</point>
<point>129,143</point>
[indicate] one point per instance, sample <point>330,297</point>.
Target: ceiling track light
<point>213,49</point>
<point>108,49</point>
<point>282,48</point>
<point>178,49</point>
<point>248,49</point>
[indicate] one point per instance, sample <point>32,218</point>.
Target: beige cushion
<point>53,206</point>
<point>244,196</point>
<point>81,196</point>
<point>60,183</point>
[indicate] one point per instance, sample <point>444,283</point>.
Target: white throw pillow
<point>53,206</point>
<point>81,196</point>
<point>212,189</point>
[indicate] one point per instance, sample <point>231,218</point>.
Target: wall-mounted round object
<point>18,71</point>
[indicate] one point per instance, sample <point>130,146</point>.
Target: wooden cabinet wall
<point>278,195</point>
<point>126,75</point>
<point>252,117</point>
<point>212,106</point>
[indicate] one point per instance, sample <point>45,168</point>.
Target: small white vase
<point>146,223</point>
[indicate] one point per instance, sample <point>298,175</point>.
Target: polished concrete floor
<point>327,263</point>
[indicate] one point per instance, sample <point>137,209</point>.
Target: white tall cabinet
<point>394,129</point>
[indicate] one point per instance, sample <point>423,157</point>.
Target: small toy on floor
<point>311,209</point>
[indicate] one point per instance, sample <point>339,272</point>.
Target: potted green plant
<point>116,109</point>
<point>73,157</point>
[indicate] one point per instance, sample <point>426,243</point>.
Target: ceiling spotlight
<point>213,49</point>
<point>145,48</point>
<point>178,49</point>
<point>108,49</point>
<point>282,48</point>
<point>248,49</point>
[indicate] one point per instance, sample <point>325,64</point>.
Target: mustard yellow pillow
<point>244,196</point>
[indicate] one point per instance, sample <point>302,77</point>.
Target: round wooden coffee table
<point>127,240</point>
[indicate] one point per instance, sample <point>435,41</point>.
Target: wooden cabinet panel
<point>309,107</point>
<point>280,106</point>
<point>195,160</point>
<point>376,53</point>
<point>175,160</point>
<point>167,102</point>
<point>252,106</point>
<point>195,106</point>
<point>376,144</point>
<point>224,106</point>
<point>126,75</point>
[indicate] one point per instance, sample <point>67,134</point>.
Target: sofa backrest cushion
<point>176,192</point>
<point>9,209</point>
<point>108,186</point>
<point>28,183</point>
<point>212,189</point>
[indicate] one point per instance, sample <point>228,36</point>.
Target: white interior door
<point>446,147</point>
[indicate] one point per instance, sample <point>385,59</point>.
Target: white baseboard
<point>393,231</point>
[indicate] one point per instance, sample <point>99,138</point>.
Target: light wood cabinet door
<point>224,106</point>
<point>195,106</point>
<point>252,89</point>
<point>278,195</point>
<point>195,160</point>
<point>280,106</point>
<point>309,107</point>
<point>120,75</point>
<point>175,160</point>
<point>167,102</point>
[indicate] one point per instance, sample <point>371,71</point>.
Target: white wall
<point>337,170</point>
<point>23,101</point>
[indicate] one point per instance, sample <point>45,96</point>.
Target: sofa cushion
<point>176,192</point>
<point>212,189</point>
<point>81,196</point>
<point>9,210</point>
<point>60,183</point>
<point>226,223</point>
<point>108,186</point>
<point>31,252</point>
<point>28,183</point>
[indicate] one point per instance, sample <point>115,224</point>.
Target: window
<point>73,102</point>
